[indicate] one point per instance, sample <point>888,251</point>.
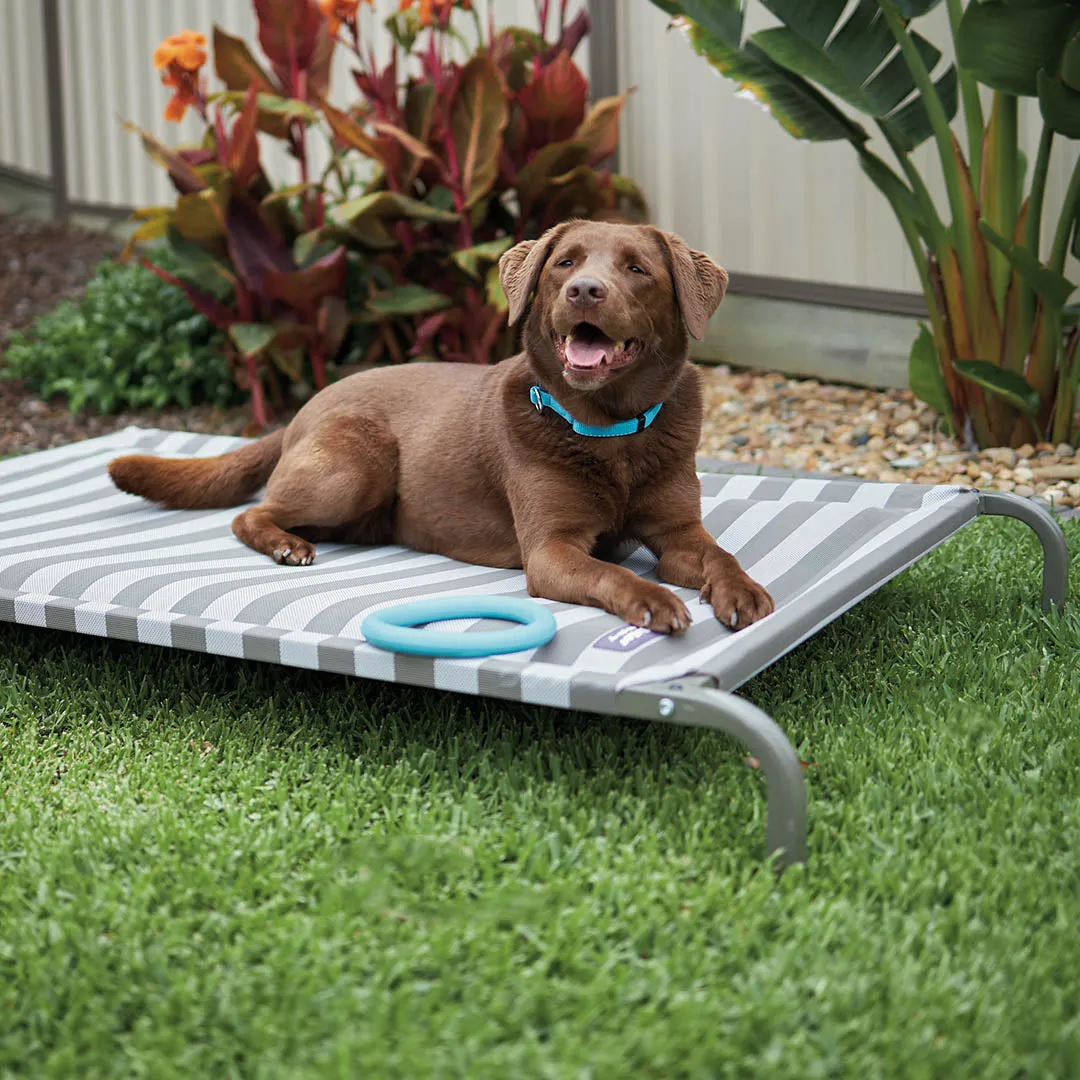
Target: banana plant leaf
<point>803,110</point>
<point>1006,44</point>
<point>856,60</point>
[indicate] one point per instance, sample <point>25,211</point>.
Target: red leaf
<point>181,172</point>
<point>253,247</point>
<point>426,331</point>
<point>554,102</point>
<point>305,289</point>
<point>242,156</point>
<point>349,131</point>
<point>478,115</point>
<point>289,31</point>
<point>196,157</point>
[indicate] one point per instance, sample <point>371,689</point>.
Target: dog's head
<point>610,300</point>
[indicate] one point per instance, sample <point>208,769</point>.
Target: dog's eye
<point>635,269</point>
<point>566,262</point>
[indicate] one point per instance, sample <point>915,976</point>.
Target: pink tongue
<point>587,354</point>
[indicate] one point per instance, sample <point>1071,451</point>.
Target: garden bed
<point>767,420</point>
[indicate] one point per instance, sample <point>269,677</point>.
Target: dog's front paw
<point>657,609</point>
<point>737,600</point>
<point>295,553</point>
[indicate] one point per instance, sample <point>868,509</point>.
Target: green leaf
<point>802,109</point>
<point>196,264</point>
<point>841,66</point>
<point>911,122</point>
<point>1048,284</point>
<point>722,19</point>
<point>1060,106</point>
<point>812,20</point>
<point>1006,45</point>
<point>407,300</point>
<point>494,291</point>
<point>251,338</point>
<point>389,204</point>
<point>1007,385</point>
<point>1070,63</point>
<point>627,189</point>
<point>290,191</point>
<point>900,196</point>
<point>287,107</point>
<point>440,197</point>
<point>924,374</point>
<point>912,9</point>
<point>472,260</point>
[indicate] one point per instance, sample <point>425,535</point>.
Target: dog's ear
<point>519,270</point>
<point>699,284</point>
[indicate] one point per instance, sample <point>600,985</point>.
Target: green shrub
<point>131,341</point>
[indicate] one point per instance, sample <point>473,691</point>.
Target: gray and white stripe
<point>81,556</point>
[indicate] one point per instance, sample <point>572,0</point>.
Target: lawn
<point>215,869</point>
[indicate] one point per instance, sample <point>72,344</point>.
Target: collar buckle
<point>536,397</point>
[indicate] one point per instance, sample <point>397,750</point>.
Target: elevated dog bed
<point>78,555</point>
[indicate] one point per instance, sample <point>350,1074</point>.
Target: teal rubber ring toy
<point>396,628</point>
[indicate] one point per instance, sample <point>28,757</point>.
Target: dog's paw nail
<point>647,621</point>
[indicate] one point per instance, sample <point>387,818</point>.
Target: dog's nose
<point>586,291</point>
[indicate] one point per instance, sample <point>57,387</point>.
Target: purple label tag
<point>626,639</point>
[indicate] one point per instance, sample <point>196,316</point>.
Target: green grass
<point>216,869</point>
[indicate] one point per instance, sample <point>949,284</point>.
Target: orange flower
<point>440,9</point>
<point>180,57</point>
<point>187,50</point>
<point>341,11</point>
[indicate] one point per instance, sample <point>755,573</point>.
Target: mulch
<point>763,419</point>
<point>41,265</point>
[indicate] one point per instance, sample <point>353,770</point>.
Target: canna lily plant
<point>466,139</point>
<point>999,359</point>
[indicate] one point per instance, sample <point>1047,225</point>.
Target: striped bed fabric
<point>76,554</point>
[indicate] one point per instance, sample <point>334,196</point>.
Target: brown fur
<point>454,459</point>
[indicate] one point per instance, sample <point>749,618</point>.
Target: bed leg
<point>1055,550</point>
<point>694,702</point>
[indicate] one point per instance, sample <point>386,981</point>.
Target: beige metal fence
<point>720,169</point>
<point>716,168</point>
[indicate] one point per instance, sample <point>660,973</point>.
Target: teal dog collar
<point>542,401</point>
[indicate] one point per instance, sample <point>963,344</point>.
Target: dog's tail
<point>199,483</point>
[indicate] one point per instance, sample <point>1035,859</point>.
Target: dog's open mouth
<point>588,349</point>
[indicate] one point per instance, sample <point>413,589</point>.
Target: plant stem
<point>1033,231</point>
<point>942,134</point>
<point>969,94</point>
<point>919,188</point>
<point>1032,239</point>
<point>1065,405</point>
<point>999,196</point>
<point>1065,223</point>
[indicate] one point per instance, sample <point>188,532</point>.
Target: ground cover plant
<point>999,360</point>
<point>469,138</point>
<point>130,341</point>
<point>219,868</point>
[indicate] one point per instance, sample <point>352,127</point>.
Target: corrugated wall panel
<point>24,116</point>
<point>109,74</point>
<point>721,171</point>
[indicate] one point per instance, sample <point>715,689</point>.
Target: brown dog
<point>458,460</point>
